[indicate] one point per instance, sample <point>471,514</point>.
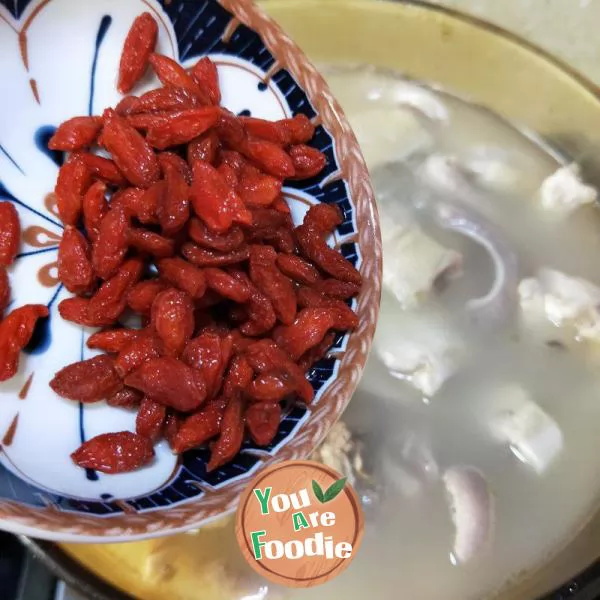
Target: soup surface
<point>473,437</point>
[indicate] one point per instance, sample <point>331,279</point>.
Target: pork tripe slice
<point>564,192</point>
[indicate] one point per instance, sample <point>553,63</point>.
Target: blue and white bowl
<point>60,59</point>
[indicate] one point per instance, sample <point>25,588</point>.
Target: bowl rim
<point>51,523</point>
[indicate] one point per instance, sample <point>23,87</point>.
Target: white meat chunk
<point>562,300</point>
<point>564,192</point>
<point>532,435</point>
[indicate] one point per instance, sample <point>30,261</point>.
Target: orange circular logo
<point>299,524</point>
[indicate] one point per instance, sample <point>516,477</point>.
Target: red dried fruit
<point>204,257</point>
<point>226,285</point>
<point>144,121</point>
<point>232,435</point>
<point>214,201</point>
<point>173,208</point>
<point>165,99</point>
<point>230,129</point>
<point>183,276</point>
<point>74,266</point>
<point>314,355</point>
<point>182,127</point>
<point>309,298</point>
<point>110,246</point>
<point>256,189</point>
<point>329,260</point>
<point>125,398</point>
<point>203,148</point>
<point>173,320</point>
<point>104,169</point>
<point>324,218</point>
<point>308,162</point>
<point>170,382</point>
<point>111,299</point>
<point>136,353</point>
<point>175,161</point>
<point>229,175</point>
<point>72,183</point>
<point>16,330</point>
<point>281,206</point>
<point>271,387</point>
<point>203,236</point>
<point>10,233</point>
<point>4,290</point>
<point>142,295</point>
<point>88,381</point>
<point>271,131</point>
<point>300,129</point>
<point>206,76</point>
<point>199,428</point>
<point>127,105</point>
<point>113,340</point>
<point>261,315</point>
<point>263,422</point>
<point>298,269</point>
<point>75,134</point>
<point>142,204</point>
<point>343,290</point>
<point>232,159</point>
<point>269,157</point>
<point>152,243</point>
<point>139,45</point>
<point>266,276</point>
<point>209,354</point>
<point>131,152</point>
<point>150,419</point>
<point>172,74</point>
<point>171,427</point>
<point>238,378</point>
<point>114,453</point>
<point>95,208</point>
<point>76,311</point>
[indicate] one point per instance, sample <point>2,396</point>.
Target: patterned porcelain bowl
<point>59,59</point>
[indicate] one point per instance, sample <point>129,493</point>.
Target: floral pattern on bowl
<point>61,57</point>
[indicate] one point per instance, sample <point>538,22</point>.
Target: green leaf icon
<point>318,492</point>
<point>334,490</point>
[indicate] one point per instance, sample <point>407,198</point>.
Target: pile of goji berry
<point>184,224</point>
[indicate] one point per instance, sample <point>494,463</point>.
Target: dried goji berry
<point>175,161</point>
<point>226,285</point>
<point>267,277</point>
<point>271,387</point>
<point>182,127</point>
<point>142,295</point>
<point>16,330</point>
<point>205,353</point>
<point>150,419</point>
<point>299,127</point>
<point>214,201</point>
<point>232,159</point>
<point>323,217</point>
<point>229,175</point>
<point>130,151</point>
<point>104,169</point>
<point>139,45</point>
<point>74,266</point>
<point>172,74</point>
<point>165,99</point>
<point>337,289</point>
<point>173,320</point>
<point>261,315</point>
<point>75,134</point>
<point>224,242</point>
<point>256,189</point>
<point>184,276</point>
<point>307,161</point>
<point>111,299</point>
<point>238,378</point>
<point>203,148</point>
<point>199,428</point>
<point>125,398</point>
<point>230,440</point>
<point>95,207</point>
<point>314,355</point>
<point>110,246</point>
<point>113,340</point>
<point>314,247</point>
<point>171,427</point>
<point>152,243</point>
<point>230,129</point>
<point>114,453</point>
<point>206,76</point>
<point>170,382</point>
<point>76,310</point>
<point>173,208</point>
<point>10,233</point>
<point>136,353</point>
<point>310,298</point>
<point>126,105</point>
<point>87,381</point>
<point>263,422</point>
<point>269,157</point>
<point>298,269</point>
<point>4,290</point>
<point>204,257</point>
<point>271,131</point>
<point>281,206</point>
<point>72,183</point>
<point>142,204</point>
<point>144,121</point>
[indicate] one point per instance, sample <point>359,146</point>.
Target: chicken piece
<point>564,192</point>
